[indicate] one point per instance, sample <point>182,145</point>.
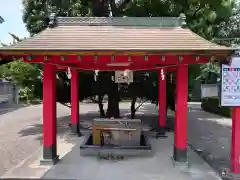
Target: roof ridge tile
<point>122,21</point>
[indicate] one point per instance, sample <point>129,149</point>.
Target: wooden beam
<point>98,62</point>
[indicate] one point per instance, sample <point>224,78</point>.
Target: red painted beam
<point>106,63</point>
<point>64,67</point>
<point>112,68</point>
<point>134,67</point>
<point>98,62</point>
<point>107,68</point>
<point>61,68</point>
<point>171,68</point>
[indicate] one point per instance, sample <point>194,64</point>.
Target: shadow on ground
<point>63,123</point>
<point>9,107</point>
<point>210,136</point>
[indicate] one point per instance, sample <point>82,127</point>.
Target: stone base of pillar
<point>180,155</point>
<point>181,165</point>
<point>76,129</point>
<point>161,132</point>
<point>229,175</point>
<point>50,156</point>
<point>169,129</point>
<point>49,161</point>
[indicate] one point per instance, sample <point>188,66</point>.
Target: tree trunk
<point>100,105</point>
<point>114,8</point>
<point>133,109</point>
<point>100,8</point>
<point>113,101</point>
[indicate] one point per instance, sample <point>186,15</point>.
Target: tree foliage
<point>204,17</point>
<point>229,29</point>
<point>25,75</point>
<point>228,34</point>
<point>36,12</point>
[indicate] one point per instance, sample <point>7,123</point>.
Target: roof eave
<point>211,52</point>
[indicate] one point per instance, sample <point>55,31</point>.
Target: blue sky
<point>11,11</point>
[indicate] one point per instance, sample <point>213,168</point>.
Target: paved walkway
<point>20,131</point>
<point>156,166</point>
<point>211,135</point>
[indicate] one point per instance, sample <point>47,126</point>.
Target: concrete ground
<point>158,166</point>
<point>20,130</point>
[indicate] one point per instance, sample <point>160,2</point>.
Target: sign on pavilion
<point>124,76</point>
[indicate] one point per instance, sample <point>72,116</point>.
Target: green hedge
<point>213,105</point>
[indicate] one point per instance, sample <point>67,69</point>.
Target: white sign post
<point>124,76</point>
<point>230,83</point>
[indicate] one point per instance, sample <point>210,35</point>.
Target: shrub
<point>213,105</point>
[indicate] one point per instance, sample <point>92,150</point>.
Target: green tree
<point>203,17</point>
<point>27,76</point>
<point>228,34</point>
<point>36,12</point>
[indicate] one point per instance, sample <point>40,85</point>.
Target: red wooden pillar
<point>162,113</point>
<point>235,151</point>
<point>49,114</point>
<point>181,110</point>
<point>75,102</point>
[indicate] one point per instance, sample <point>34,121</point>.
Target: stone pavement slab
<point>158,166</point>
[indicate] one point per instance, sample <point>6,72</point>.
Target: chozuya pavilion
<point>116,43</point>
